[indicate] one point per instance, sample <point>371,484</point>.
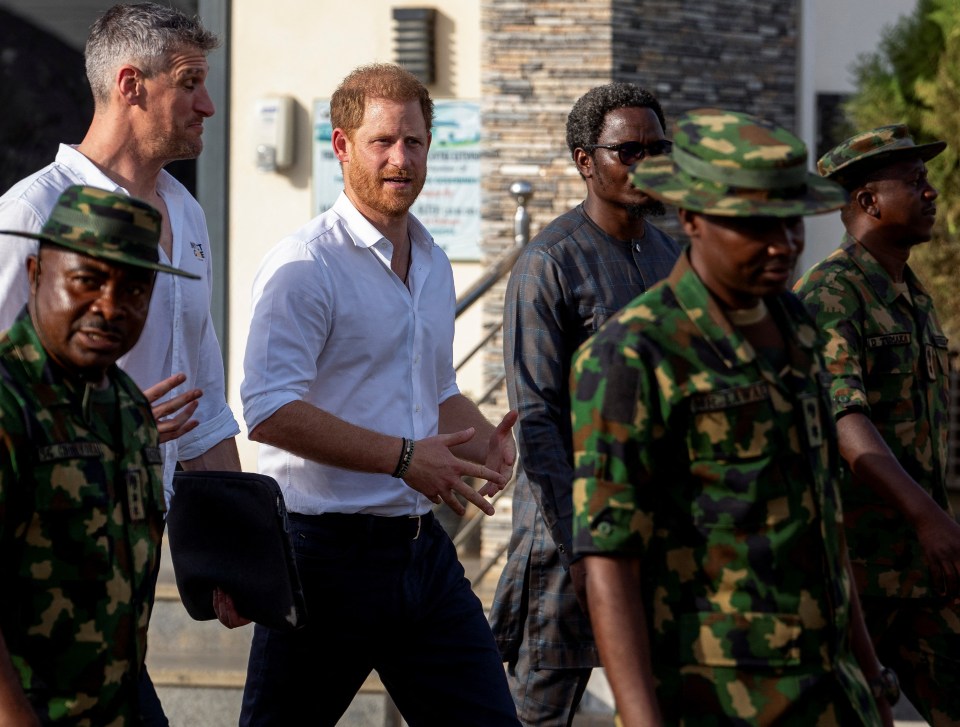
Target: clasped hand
<point>436,472</point>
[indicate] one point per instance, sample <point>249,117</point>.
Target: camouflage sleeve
<point>612,431</point>
<point>838,311</point>
<point>11,430</point>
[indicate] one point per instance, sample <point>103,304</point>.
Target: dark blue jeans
<point>378,598</point>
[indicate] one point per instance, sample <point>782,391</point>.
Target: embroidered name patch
<point>729,398</point>
<point>889,339</point>
<point>72,450</point>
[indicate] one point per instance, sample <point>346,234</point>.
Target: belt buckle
<point>419,519</point>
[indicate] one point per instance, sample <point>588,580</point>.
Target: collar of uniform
<point>729,344</point>
<point>879,279</point>
<point>705,313</point>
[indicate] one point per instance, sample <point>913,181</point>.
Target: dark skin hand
<point>875,465</point>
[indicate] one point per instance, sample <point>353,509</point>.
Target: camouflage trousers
<point>920,640</point>
<point>707,696</point>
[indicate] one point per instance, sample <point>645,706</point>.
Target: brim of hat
<point>926,152</point>
<point>117,257</point>
<point>659,178</point>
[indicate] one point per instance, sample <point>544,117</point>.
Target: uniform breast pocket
<point>745,639</point>
<point>890,393</point>
<point>891,370</point>
<point>731,447</point>
<point>70,532</point>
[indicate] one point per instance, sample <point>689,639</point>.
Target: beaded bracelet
<point>406,456</point>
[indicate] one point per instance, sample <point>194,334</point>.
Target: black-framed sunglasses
<point>630,152</point>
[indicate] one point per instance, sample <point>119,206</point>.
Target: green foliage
<point>914,78</point>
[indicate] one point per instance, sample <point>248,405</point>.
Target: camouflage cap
<point>107,226</point>
<point>880,146</point>
<point>733,164</point>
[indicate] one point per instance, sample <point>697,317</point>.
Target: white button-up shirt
<point>333,326</point>
<point>178,335</point>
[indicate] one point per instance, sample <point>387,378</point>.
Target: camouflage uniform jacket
<point>887,356</point>
<point>81,516</point>
<point>694,455</point>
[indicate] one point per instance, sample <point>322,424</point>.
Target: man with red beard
<point>349,385</point>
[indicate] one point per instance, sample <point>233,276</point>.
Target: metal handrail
<point>494,330</point>
<point>522,191</point>
<point>496,271</point>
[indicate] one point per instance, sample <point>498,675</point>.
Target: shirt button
<point>417,408</point>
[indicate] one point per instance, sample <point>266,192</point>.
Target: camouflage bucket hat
<point>733,164</point>
<point>880,146</point>
<point>107,226</point>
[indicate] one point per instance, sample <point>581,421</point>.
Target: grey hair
<point>143,35</point>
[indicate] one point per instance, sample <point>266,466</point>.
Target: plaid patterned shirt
<point>571,278</point>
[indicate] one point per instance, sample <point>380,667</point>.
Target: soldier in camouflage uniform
<point>706,507</point>
<point>887,358</point>
<point>81,496</point>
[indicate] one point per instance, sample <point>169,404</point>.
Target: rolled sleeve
<point>217,421</point>
<point>212,430</point>
<point>838,311</point>
<point>613,451</point>
<point>288,329</point>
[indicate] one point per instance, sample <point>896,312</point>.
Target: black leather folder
<point>229,529</point>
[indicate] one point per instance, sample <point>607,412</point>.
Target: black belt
<point>404,527</point>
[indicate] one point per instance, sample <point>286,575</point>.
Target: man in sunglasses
<point>577,272</point>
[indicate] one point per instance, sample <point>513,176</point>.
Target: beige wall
<point>303,49</point>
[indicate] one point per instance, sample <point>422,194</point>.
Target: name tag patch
<point>889,339</point>
<point>729,398</point>
<point>71,450</point>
